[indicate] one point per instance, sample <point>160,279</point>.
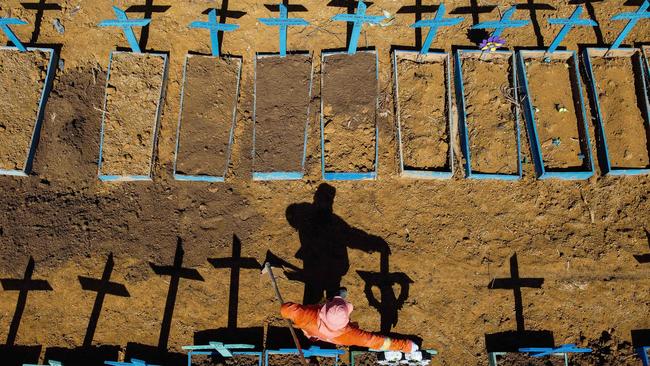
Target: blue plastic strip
<point>632,18</point>
<point>568,24</point>
<point>643,355</point>
<point>214,27</point>
<point>432,57</point>
<point>348,175</point>
<point>565,348</point>
<point>503,24</point>
<point>358,20</point>
<point>569,57</point>
<point>126,24</point>
<point>434,24</point>
<point>283,22</point>
<point>36,132</point>
<point>603,151</point>
<point>4,25</point>
<point>127,178</point>
<point>462,120</point>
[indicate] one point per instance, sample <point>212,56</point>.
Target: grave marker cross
<point>49,363</point>
<point>532,8</point>
<point>214,27</point>
<point>568,23</point>
<point>565,348</point>
<point>438,21</point>
<point>589,4</point>
<point>4,25</point>
<point>134,362</point>
<point>503,24</point>
<point>148,9</point>
<point>358,20</point>
<point>127,25</point>
<point>223,349</point>
<point>633,18</point>
<point>23,285</point>
<point>418,9</point>
<point>283,22</point>
<point>41,7</point>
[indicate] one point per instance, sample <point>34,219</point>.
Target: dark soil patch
<point>606,351</point>
<point>522,359</point>
<point>366,359</point>
<point>209,102</point>
<point>623,121</point>
<point>282,88</point>
<point>349,92</point>
<point>423,112</point>
<point>236,360</point>
<point>294,360</point>
<point>22,78</point>
<point>491,123</point>
<point>133,95</point>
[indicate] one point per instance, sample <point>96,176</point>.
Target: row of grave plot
<point>491,90</point>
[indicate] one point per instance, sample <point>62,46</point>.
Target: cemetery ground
<point>161,246</point>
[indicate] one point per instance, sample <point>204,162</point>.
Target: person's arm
<point>300,315</point>
<point>357,337</point>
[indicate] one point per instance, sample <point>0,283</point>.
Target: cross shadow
<point>591,11</point>
<point>224,13</point>
<point>644,258</point>
<point>640,338</point>
<point>532,7</point>
<point>324,241</point>
<point>41,7</point>
<point>19,355</point>
<point>291,8</point>
<point>475,35</point>
<point>511,341</point>
<point>148,10</point>
<point>351,7</point>
<point>418,10</point>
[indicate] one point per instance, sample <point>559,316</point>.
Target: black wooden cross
<point>418,9</point>
<point>236,263</point>
<point>148,9</point>
<point>475,35</point>
<point>351,7</point>
<point>41,7</point>
<point>23,285</point>
<point>592,14</point>
<point>532,7</point>
<point>224,13</point>
<point>516,283</point>
<point>644,258</point>
<point>175,272</point>
<point>102,287</point>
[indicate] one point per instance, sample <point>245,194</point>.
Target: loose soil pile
<point>349,92</point>
<point>209,102</point>
<point>283,92</point>
<point>423,113</point>
<point>522,359</point>
<point>133,94</point>
<point>557,114</point>
<point>619,97</point>
<point>22,79</point>
<point>491,123</point>
<point>366,359</point>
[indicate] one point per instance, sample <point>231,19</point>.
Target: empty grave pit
<point>618,80</point>
<point>207,120</point>
<point>348,113</point>
<point>134,91</point>
<point>423,111</point>
<point>491,126</point>
<point>23,84</point>
<point>282,100</point>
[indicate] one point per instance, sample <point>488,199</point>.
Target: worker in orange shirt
<point>330,322</point>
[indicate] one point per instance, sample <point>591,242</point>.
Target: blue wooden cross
<point>358,19</point>
<point>283,21</point>
<point>134,362</point>
<point>214,27</point>
<point>643,355</point>
<point>49,363</point>
<point>127,25</point>
<point>565,348</point>
<point>503,24</point>
<point>438,21</point>
<point>5,23</point>
<point>570,22</point>
<point>222,349</point>
<point>641,13</point>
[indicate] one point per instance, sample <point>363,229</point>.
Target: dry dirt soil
<point>449,238</point>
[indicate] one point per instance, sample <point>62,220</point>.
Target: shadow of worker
<point>324,242</point>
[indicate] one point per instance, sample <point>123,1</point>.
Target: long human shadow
<point>644,258</point>
<point>351,7</point>
<point>511,341</point>
<point>475,35</point>
<point>41,7</point>
<point>418,10</point>
<point>324,241</point>
<point>224,13</point>
<point>148,10</point>
<point>532,7</point>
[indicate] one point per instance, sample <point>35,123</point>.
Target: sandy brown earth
<point>450,238</point>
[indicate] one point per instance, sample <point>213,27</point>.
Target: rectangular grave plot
<point>617,86</point>
<point>361,358</point>
<point>489,118</point>
<point>349,133</point>
<point>207,359</point>
<point>25,82</point>
<point>282,100</point>
<point>207,119</point>
<point>274,359</point>
<point>134,92</point>
<point>422,102</point>
<point>555,114</point>
<point>518,359</point>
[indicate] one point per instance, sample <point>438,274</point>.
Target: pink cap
<point>334,316</point>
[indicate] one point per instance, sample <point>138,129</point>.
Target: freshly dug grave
<point>491,124</point>
<point>522,359</point>
<point>557,115</point>
<point>22,79</point>
<point>283,94</point>
<point>349,92</point>
<point>294,360</point>
<point>423,113</point>
<point>209,102</point>
<point>236,360</point>
<point>133,94</point>
<point>623,121</point>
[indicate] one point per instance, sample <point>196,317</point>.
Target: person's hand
<point>414,347</point>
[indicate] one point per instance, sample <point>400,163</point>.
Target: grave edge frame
<point>288,175</point>
<point>531,123</point>
<point>292,351</point>
<point>40,115</point>
<point>259,354</point>
<point>445,58</point>
<point>462,114</point>
<point>207,178</point>
<point>645,54</point>
<point>163,87</point>
<point>342,176</point>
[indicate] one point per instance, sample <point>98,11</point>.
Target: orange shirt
<point>305,317</point>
